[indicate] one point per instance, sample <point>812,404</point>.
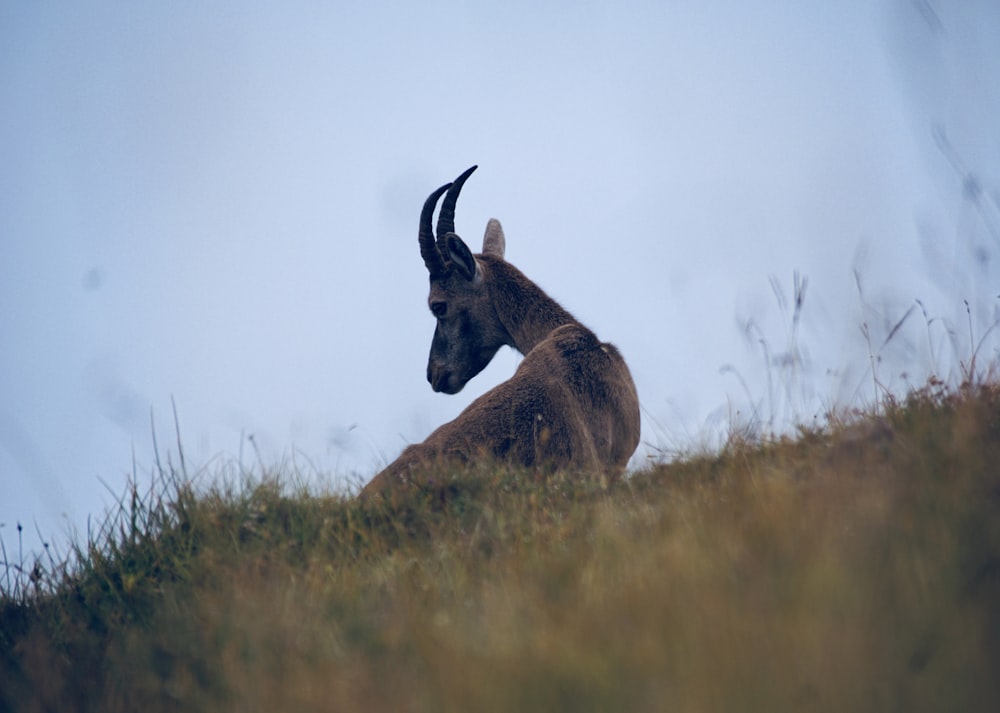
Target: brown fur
<point>571,404</point>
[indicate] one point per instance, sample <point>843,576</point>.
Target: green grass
<point>846,569</point>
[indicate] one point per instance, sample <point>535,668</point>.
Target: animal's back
<point>599,404</point>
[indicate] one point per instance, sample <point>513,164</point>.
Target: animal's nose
<point>444,381</point>
<point>437,377</point>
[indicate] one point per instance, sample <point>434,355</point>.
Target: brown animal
<point>570,404</point>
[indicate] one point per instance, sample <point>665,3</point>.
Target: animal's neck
<point>528,314</point>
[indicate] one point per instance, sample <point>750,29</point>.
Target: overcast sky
<point>215,205</point>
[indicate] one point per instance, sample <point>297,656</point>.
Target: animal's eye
<point>440,309</point>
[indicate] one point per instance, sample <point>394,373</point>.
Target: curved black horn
<point>446,218</point>
<point>428,248</point>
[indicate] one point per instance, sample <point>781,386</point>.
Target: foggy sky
<point>215,206</point>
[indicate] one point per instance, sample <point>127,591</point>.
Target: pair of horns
<point>433,250</point>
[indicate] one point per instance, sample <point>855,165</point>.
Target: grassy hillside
<point>852,569</point>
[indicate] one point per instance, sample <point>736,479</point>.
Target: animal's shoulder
<point>572,351</point>
<point>574,341</point>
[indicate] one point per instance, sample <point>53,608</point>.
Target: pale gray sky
<point>217,204</point>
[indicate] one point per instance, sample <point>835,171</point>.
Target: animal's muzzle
<point>443,381</point>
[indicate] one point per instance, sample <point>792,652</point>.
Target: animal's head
<point>468,331</point>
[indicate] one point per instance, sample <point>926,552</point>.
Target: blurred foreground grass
<point>857,568</point>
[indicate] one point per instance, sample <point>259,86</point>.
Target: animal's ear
<point>461,257</point>
<point>493,242</point>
